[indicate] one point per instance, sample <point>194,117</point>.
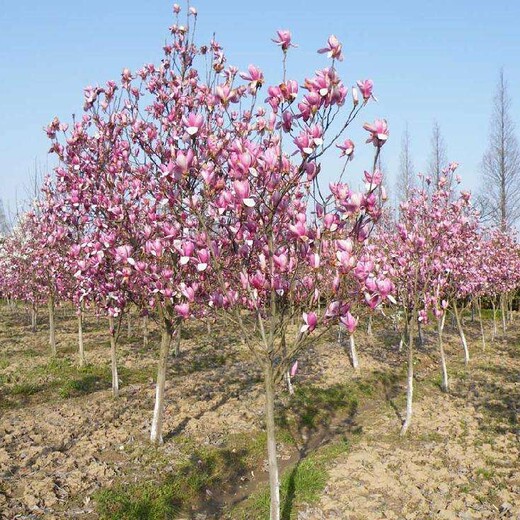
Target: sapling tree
<point>282,250</point>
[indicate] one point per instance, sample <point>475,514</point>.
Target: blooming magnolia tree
<point>209,205</point>
<point>278,248</point>
<point>428,269</point>
<point>187,191</point>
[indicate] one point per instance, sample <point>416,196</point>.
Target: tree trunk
<point>445,387</point>
<point>503,311</point>
<point>479,305</point>
<point>81,350</point>
<point>409,383</point>
<point>52,326</point>
<point>353,352</point>
<point>420,336</point>
<point>288,372</point>
<point>33,318</point>
<point>461,332</point>
<point>113,357</point>
<point>274,479</point>
<point>494,319</point>
<point>177,345</point>
<point>129,325</point>
<point>404,335</point>
<point>369,326</point>
<point>158,412</point>
<point>288,380</point>
<point>145,331</point>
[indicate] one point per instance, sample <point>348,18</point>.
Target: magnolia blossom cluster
<point>437,250</point>
<point>183,192</point>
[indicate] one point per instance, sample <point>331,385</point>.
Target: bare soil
<point>63,438</point>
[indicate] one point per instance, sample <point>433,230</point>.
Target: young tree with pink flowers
<point>427,265</point>
<point>278,247</point>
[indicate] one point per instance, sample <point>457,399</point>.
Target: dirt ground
<point>62,440</point>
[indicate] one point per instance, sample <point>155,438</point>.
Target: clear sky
<point>430,59</point>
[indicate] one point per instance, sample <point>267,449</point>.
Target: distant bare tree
<point>500,193</point>
<point>405,174</point>
<point>4,222</point>
<point>438,157</point>
<point>34,184</point>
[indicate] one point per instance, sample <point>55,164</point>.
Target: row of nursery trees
<point>188,195</point>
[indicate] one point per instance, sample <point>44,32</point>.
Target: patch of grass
<point>316,405</point>
<point>302,484</point>
<point>24,389</point>
<point>430,437</point>
<point>84,385</point>
<point>4,363</point>
<point>206,468</point>
<point>485,473</point>
<point>144,501</point>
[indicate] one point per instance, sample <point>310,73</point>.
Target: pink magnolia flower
<point>294,369</point>
<point>333,49</point>
<point>378,132</point>
<point>183,310</point>
<point>350,322</point>
<point>365,87</point>
<point>347,149</point>
<point>355,97</point>
<point>375,178</point>
<point>385,287</point>
<point>123,254</point>
<point>255,77</point>
<point>310,321</point>
<point>284,39</point>
<point>193,123</point>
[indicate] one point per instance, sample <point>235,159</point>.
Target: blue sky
<point>429,60</point>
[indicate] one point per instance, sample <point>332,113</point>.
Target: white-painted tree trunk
<point>483,335</point>
<point>369,326</point>
<point>113,357</point>
<point>504,311</point>
<point>495,330</point>
<point>420,335</point>
<point>274,479</point>
<point>445,386</point>
<point>145,331</point>
<point>409,380</point>
<point>353,352</point>
<point>158,412</point>
<point>288,380</point>
<point>52,326</point>
<point>81,348</point>
<point>34,318</point>
<point>461,332</point>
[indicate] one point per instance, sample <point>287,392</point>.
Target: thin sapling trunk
<point>52,326</point>
<point>353,352</point>
<point>274,479</point>
<point>409,379</point>
<point>461,332</point>
<point>479,306</point>
<point>81,348</point>
<point>158,412</point>
<point>113,356</point>
<point>445,387</point>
